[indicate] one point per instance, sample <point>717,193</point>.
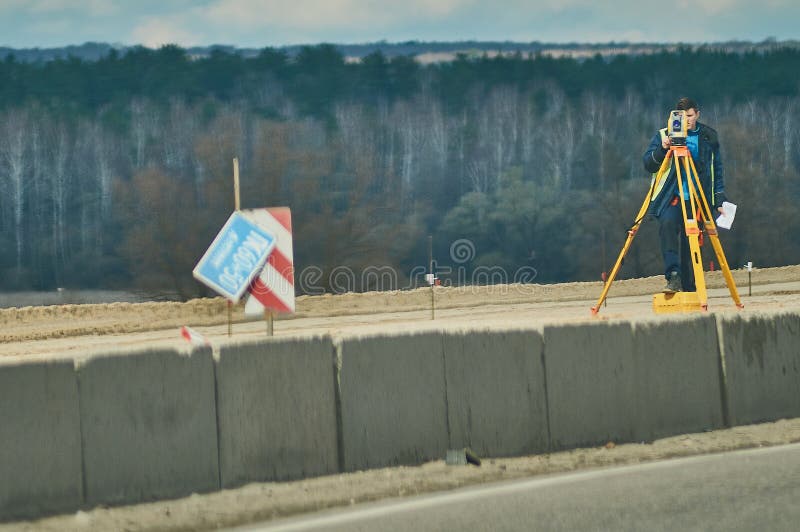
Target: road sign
<point>273,290</point>
<point>235,257</point>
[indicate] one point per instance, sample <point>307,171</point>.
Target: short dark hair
<point>685,103</point>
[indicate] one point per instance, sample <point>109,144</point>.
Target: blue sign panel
<point>235,257</point>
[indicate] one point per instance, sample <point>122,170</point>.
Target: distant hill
<point>425,52</point>
<point>90,51</point>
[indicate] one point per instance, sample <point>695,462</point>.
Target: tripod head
<point>677,127</point>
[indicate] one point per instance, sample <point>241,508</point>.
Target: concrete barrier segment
<point>392,394</point>
<point>496,400</point>
<point>277,410</point>
<point>761,356</point>
<point>148,424</point>
<point>40,445</point>
<point>677,375</point>
<point>591,383</point>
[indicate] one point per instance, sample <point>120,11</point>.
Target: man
<point>703,145</point>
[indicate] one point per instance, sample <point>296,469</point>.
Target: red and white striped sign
<point>273,289</point>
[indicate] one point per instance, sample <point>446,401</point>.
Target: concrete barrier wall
<point>677,377</point>
<point>392,394</point>
<point>148,424</point>
<point>40,446</point>
<point>158,424</point>
<point>591,384</point>
<point>761,355</point>
<point>496,402</point>
<point>277,410</point>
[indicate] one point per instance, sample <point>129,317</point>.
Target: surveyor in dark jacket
<point>703,144</point>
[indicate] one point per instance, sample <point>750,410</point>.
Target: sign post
<point>236,206</point>
<point>252,253</point>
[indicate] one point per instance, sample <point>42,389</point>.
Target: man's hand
<point>665,142</point>
<point>720,210</point>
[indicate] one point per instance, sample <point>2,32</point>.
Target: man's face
<point>691,119</point>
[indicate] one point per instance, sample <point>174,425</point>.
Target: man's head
<point>692,112</point>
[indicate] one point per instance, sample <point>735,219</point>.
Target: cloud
<point>11,5</point>
<point>156,32</point>
<point>326,14</point>
<point>258,23</point>
<point>45,7</point>
<point>705,7</point>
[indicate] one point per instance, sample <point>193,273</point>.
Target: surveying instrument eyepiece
<point>697,216</point>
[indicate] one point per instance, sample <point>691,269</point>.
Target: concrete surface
<point>392,392</point>
<point>40,445</point>
<point>496,400</point>
<point>148,424</point>
<point>591,384</point>
<point>762,366</point>
<point>677,376</point>
<point>277,410</point>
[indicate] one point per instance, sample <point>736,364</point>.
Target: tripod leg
<point>692,229</point>
<point>615,269</point>
<point>711,230</point>
<point>723,264</point>
<point>654,185</point>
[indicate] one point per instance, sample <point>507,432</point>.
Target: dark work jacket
<point>708,164</point>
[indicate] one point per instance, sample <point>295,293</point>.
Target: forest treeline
<point>116,173</point>
<point>426,51</point>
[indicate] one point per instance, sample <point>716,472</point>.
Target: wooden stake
<point>269,317</point>
<point>236,205</point>
<point>236,198</point>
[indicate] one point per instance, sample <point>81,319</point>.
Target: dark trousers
<point>675,246</point>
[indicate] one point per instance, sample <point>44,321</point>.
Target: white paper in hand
<point>725,220</point>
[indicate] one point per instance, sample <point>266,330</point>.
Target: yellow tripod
<point>698,206</point>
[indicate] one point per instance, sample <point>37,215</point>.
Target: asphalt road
<point>755,489</point>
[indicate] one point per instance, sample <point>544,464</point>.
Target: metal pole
<point>269,317</point>
<point>433,278</point>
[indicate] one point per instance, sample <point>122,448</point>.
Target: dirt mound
<point>57,321</point>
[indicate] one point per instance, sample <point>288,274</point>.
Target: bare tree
<point>180,128</point>
<point>14,161</point>
<point>59,191</point>
<point>144,128</point>
<point>410,133</point>
<point>560,140</point>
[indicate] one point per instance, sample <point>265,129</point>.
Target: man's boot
<point>673,283</point>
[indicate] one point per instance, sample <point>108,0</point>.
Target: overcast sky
<point>260,23</point>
